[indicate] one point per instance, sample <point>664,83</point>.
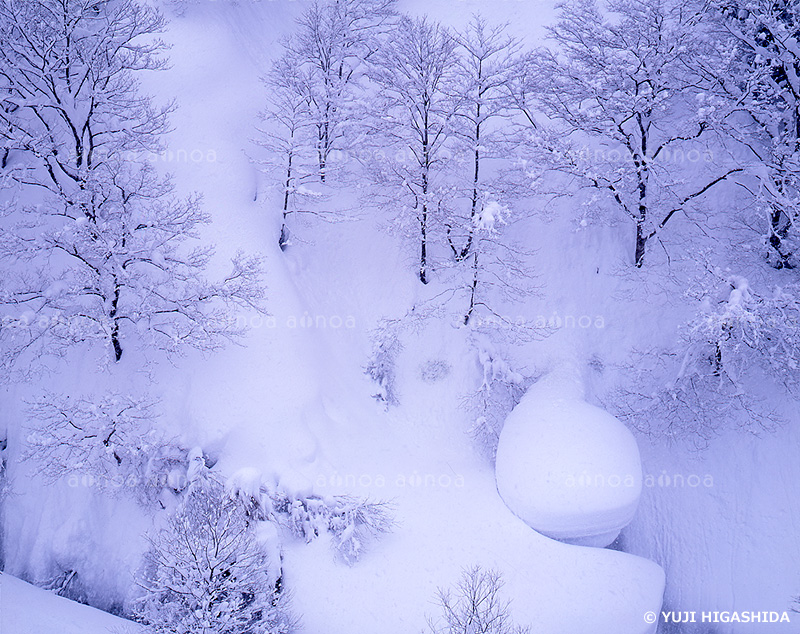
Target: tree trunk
<point>473,288</point>
<point>426,165</point>
<point>641,242</point>
<point>115,328</point>
<point>778,230</point>
<point>642,174</point>
<point>283,240</point>
<point>423,254</point>
<point>115,342</point>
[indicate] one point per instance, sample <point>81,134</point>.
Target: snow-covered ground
<point>293,404</point>
<point>26,608</point>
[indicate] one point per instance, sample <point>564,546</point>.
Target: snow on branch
<point>110,443</point>
<point>352,523</point>
<point>709,380</point>
<point>207,571</point>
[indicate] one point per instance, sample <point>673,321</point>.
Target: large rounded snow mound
<point>568,469</point>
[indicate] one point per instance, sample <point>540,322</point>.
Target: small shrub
<point>434,370</point>
<point>475,607</point>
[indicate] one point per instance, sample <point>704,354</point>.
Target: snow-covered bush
<point>475,607</point>
<point>434,370</point>
<point>108,442</point>
<point>709,379</point>
<point>745,327</point>
<point>386,346</point>
<point>351,522</point>
<point>206,572</point>
<point>692,407</point>
<point>500,390</point>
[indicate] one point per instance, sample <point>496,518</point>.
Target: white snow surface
<point>567,468</point>
<point>293,407</point>
<point>26,609</point>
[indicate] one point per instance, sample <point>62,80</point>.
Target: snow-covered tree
<point>625,108</point>
<point>476,606</point>
<point>333,41</point>
<point>712,378</point>
<point>413,114</point>
<point>289,138</point>
<point>759,81</point>
<point>486,66</point>
<point>109,442</point>
<point>207,573</point>
<point>71,101</point>
<point>487,62</point>
<point>93,246</point>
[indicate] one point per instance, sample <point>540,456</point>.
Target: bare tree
<point>289,137</point>
<point>624,100</point>
<point>96,250</point>
<point>413,112</point>
<point>333,42</point>
<point>476,607</point>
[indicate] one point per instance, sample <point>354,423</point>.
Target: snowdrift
<point>568,469</point>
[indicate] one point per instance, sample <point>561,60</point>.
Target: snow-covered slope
<point>26,609</point>
<point>294,403</point>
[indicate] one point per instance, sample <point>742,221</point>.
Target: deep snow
<point>567,468</point>
<point>293,402</point>
<point>27,609</point>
